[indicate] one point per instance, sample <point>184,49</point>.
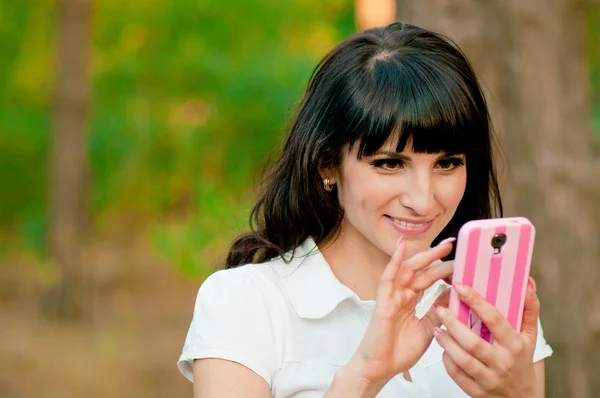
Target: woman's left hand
<point>501,369</point>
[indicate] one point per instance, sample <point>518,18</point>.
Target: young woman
<point>332,292</point>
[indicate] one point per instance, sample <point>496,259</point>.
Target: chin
<point>413,248</point>
<point>416,245</point>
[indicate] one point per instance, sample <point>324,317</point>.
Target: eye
<point>388,164</point>
<point>451,163</point>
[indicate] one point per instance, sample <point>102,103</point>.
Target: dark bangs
<point>417,96</point>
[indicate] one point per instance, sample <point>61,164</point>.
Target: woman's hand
<point>396,338</point>
<point>501,369</point>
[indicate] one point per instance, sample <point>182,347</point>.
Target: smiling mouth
<point>411,225</point>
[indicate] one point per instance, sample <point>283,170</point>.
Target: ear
<point>329,172</point>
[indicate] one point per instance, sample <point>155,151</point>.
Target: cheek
<point>362,191</point>
<point>366,195</point>
<point>451,190</point>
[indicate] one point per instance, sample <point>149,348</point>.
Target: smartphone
<point>494,257</point>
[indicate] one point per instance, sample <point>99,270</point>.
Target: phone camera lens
<point>498,241</point>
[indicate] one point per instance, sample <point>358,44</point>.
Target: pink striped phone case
<point>494,257</point>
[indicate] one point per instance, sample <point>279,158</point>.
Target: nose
<point>419,193</point>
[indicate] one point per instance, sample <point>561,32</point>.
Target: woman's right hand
<point>395,338</point>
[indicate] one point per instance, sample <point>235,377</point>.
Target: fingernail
<point>461,289</point>
<point>400,240</point>
<point>441,311</point>
<point>446,241</point>
<point>532,283</point>
<point>437,332</point>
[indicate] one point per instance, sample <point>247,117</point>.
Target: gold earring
<point>327,184</point>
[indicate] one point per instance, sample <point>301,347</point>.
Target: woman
<point>388,156</point>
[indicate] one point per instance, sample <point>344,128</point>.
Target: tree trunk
<point>69,162</point>
<point>554,179</point>
<point>531,57</point>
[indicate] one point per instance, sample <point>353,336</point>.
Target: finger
<point>531,313</point>
<point>448,280</point>
<point>431,320</point>
<point>470,342</point>
<point>464,381</point>
<point>386,285</point>
<point>430,275</point>
<point>423,260</point>
<point>497,323</point>
<point>465,361</point>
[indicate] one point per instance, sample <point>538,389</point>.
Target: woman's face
<point>389,194</point>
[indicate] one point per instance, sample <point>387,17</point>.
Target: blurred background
<point>131,134</point>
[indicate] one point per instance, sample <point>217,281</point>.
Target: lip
<point>410,231</point>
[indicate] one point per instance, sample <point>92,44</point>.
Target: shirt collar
<point>312,288</point>
<point>314,291</point>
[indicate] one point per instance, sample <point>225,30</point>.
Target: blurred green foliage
<point>188,98</point>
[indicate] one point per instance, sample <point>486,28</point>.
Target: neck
<point>355,261</point>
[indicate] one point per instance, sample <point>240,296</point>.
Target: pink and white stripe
<point>500,278</point>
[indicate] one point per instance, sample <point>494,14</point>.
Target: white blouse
<point>295,324</point>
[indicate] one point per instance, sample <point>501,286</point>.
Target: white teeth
<point>408,224</point>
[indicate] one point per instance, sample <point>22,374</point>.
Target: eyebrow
<point>397,155</point>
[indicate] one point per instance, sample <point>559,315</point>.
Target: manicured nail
<point>441,312</point>
<point>461,289</point>
<point>437,332</point>
<point>446,241</point>
<point>400,240</point>
<point>532,283</point>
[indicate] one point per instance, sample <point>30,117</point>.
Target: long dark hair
<point>399,79</point>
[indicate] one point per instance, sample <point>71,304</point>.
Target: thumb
<point>529,325</point>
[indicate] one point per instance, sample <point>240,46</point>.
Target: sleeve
<point>231,321</point>
<point>542,348</point>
